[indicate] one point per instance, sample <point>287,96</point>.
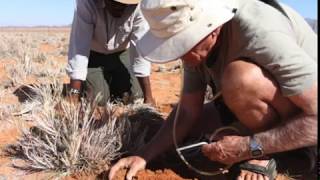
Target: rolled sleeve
<point>77,67</point>
<point>140,66</point>
<point>80,39</point>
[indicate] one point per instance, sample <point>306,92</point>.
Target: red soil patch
<point>165,89</point>
<point>61,59</point>
<point>8,136</point>
<point>166,174</point>
<point>47,48</point>
<point>9,100</point>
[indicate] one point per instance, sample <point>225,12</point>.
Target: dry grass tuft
<point>81,138</point>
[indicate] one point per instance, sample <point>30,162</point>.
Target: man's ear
<point>217,31</point>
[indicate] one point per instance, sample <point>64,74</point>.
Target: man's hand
<point>228,150</point>
<point>133,163</point>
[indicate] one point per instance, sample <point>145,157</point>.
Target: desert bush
<point>79,138</point>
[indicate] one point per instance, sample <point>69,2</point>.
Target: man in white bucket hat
<point>102,56</point>
<point>262,57</point>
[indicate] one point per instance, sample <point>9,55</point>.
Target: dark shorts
<point>295,162</point>
<point>109,76</point>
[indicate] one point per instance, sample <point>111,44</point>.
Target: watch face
<point>255,148</point>
<point>256,153</point>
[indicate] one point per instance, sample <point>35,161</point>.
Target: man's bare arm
<point>297,132</point>
<point>191,105</point>
<point>146,89</point>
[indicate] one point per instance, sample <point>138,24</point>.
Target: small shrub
<point>79,138</point>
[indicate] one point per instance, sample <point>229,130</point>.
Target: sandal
<point>269,171</point>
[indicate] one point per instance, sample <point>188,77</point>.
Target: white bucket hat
<point>176,26</point>
<point>128,1</point>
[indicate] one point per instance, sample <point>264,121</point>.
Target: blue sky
<point>60,12</point>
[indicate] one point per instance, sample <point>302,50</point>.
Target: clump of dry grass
<point>81,138</point>
<point>63,137</point>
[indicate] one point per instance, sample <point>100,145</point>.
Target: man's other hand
<point>228,150</point>
<point>133,163</point>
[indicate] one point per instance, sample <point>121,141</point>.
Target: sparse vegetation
<point>33,55</point>
<point>78,138</point>
<point>60,136</point>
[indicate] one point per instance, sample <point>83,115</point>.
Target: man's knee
<point>246,90</point>
<point>243,81</point>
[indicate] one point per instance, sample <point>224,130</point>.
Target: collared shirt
<point>285,47</point>
<point>93,28</point>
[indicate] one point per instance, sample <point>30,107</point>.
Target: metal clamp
<point>223,170</point>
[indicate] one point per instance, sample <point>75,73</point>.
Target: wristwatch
<point>74,91</point>
<point>256,150</point>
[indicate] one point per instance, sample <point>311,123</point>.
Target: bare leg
<point>253,96</point>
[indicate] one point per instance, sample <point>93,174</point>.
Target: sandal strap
<point>269,171</point>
